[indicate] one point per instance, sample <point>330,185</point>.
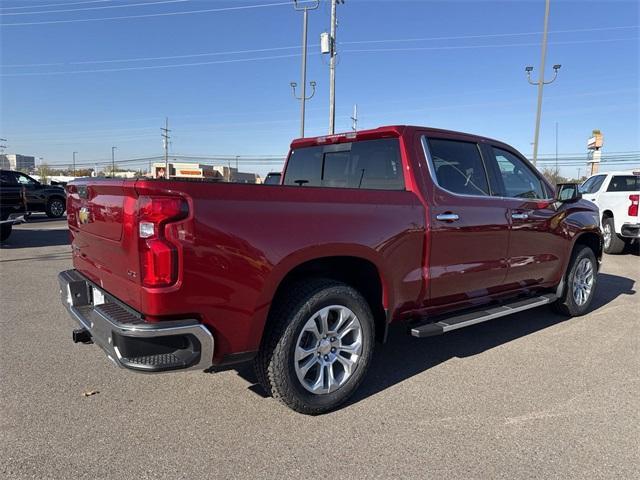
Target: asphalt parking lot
<point>532,395</point>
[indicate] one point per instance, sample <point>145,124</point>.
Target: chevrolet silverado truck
<point>617,195</point>
<point>50,199</point>
<point>438,229</point>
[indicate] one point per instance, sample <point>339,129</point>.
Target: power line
<point>487,35</point>
<point>126,5</point>
<point>57,4</point>
<point>150,15</point>
<point>271,49</point>
<point>273,57</point>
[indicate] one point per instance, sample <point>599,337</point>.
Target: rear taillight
<point>159,255</point>
<point>633,208</point>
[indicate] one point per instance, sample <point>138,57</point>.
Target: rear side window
<point>518,179</point>
<point>593,184</point>
<point>370,164</point>
<point>7,177</point>
<point>624,183</point>
<point>458,167</point>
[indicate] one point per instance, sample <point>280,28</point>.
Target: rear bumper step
<point>126,338</point>
<point>468,319</point>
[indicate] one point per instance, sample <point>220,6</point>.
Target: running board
<point>468,319</point>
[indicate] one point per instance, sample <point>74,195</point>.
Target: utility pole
<point>541,82</point>
<point>303,94</point>
<point>165,141</point>
<point>332,68</point>
<point>354,118</point>
<point>237,157</point>
<point>74,163</point>
<point>556,149</point>
<point>113,161</point>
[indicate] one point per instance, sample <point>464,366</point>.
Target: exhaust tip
<point>81,335</point>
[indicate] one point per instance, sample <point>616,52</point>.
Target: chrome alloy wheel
<point>583,280</point>
<point>607,233</point>
<point>57,208</point>
<point>328,349</point>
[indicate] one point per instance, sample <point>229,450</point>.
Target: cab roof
<point>387,131</point>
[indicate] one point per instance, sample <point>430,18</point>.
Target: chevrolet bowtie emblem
<point>83,216</point>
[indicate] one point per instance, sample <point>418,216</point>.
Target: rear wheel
<point>318,348</point>
<point>55,207</point>
<point>580,283</point>
<point>613,244</point>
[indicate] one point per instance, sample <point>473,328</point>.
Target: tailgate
<point>101,216</point>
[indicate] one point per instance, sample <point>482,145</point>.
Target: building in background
<point>200,170</point>
<point>14,161</point>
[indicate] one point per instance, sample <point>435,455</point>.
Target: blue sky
<point>464,71</point>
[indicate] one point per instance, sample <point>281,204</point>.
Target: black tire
<point>567,304</point>
<point>55,207</point>
<point>5,231</point>
<point>613,244</point>
<point>274,365</point>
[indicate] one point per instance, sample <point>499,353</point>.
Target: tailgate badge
<point>83,216</point>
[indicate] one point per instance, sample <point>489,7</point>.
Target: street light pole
<point>541,82</point>
<point>303,94</point>
<point>332,70</point>
<point>74,163</point>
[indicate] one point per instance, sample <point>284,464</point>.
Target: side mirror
<point>568,192</point>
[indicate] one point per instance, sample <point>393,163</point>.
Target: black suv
<point>50,199</point>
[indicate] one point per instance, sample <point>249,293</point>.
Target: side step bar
<point>468,319</point>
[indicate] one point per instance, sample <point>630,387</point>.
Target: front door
<point>536,248</point>
<point>469,231</point>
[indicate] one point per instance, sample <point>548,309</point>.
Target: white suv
<point>617,195</point>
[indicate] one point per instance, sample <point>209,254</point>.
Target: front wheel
<point>55,208</point>
<point>318,348</point>
<point>580,283</point>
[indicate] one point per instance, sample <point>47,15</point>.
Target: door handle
<point>447,217</point>
<point>519,216</point>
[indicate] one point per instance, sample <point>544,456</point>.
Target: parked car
<point>436,228</point>
<point>272,178</point>
<point>12,207</point>
<point>617,195</point>
<point>50,199</point>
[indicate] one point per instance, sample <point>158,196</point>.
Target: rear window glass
<point>624,183</point>
<point>370,164</point>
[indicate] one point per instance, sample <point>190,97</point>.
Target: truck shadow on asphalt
<point>404,356</point>
<point>33,238</point>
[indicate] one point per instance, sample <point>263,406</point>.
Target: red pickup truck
<point>436,228</point>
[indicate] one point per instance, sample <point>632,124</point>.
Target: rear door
<point>535,250</point>
<point>469,227</point>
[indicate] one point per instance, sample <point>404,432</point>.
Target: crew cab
<point>438,229</point>
<point>50,199</point>
<point>617,195</point>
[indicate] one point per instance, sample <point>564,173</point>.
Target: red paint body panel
<point>239,241</point>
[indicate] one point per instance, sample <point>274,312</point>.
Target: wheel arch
<point>359,271</point>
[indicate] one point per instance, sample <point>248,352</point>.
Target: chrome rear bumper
<point>126,338</point>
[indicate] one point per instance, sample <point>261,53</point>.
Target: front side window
<point>518,179</point>
<point>624,183</point>
<point>369,164</point>
<point>458,167</point>
<point>24,180</point>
